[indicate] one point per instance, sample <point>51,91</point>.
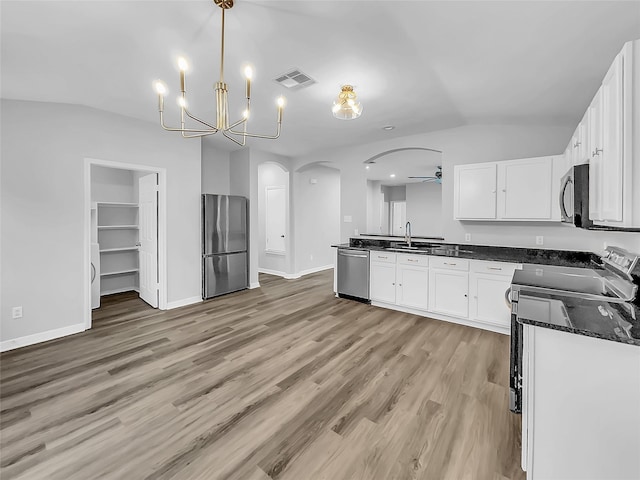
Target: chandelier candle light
<point>222,105</point>
<point>345,106</point>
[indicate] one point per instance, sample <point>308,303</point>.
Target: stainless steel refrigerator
<point>224,245</point>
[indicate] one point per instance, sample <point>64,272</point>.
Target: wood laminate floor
<point>282,382</point>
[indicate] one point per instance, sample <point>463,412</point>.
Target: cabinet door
<point>475,191</point>
<point>488,298</point>
<point>449,292</point>
<point>594,114</point>
<point>412,286</point>
<point>382,285</point>
<point>525,189</point>
<point>610,158</point>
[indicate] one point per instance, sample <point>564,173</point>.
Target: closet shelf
<point>118,227</point>
<point>117,204</point>
<point>119,249</point>
<point>121,272</point>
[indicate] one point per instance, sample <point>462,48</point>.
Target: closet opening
<point>125,233</point>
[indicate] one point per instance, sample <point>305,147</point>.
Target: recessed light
<point>388,127</point>
<point>393,175</point>
<point>367,167</point>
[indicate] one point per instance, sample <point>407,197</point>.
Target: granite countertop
<point>485,252</point>
<point>617,322</point>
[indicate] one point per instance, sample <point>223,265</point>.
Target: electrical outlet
<point>467,237</point>
<point>347,219</point>
<point>539,240</point>
<point>16,312</point>
<point>356,232</point>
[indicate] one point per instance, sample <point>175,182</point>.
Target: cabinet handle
<point>596,152</point>
<point>493,191</point>
<point>504,189</point>
<point>393,283</point>
<point>577,144</point>
<point>465,295</point>
<point>411,260</point>
<point>399,284</point>
<point>446,263</point>
<point>494,268</point>
<point>384,258</point>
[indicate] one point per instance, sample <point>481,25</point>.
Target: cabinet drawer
<point>449,263</point>
<point>383,257</point>
<point>417,260</point>
<point>498,268</point>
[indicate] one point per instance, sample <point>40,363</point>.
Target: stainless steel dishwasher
<point>353,273</point>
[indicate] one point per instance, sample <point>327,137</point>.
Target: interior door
<point>398,217</point>
<point>276,220</point>
<point>148,238</point>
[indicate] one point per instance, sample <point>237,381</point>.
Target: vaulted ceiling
<point>418,65</point>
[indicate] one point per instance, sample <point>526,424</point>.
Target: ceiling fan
<point>437,177</point>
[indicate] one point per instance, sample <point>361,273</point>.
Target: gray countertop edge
<point>612,338</point>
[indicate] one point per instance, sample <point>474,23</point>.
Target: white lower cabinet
<point>489,286</point>
<point>580,414</point>
<point>449,286</point>
<point>473,291</point>
<point>399,279</point>
<point>412,281</point>
<point>382,277</point>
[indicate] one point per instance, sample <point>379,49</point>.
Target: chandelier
<point>222,106</point>
<point>346,107</point>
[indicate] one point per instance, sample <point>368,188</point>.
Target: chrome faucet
<point>407,234</point>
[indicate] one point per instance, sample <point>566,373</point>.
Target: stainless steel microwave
<point>574,197</point>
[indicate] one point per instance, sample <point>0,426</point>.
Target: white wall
<point>272,175</point>
<point>112,185</point>
<point>215,170</point>
<point>43,150</point>
<point>424,208</point>
<point>375,199</point>
<point>469,144</point>
<point>317,217</point>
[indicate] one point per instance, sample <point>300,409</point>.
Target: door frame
<point>162,228</point>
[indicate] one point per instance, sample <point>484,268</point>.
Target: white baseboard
<point>309,271</point>
<point>41,337</point>
<point>253,285</point>
<point>272,272</point>
<point>183,303</point>
<point>293,276</point>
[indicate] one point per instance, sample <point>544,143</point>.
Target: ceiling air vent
<point>295,80</point>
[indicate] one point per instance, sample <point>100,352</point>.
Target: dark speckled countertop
<point>617,322</point>
<point>485,252</point>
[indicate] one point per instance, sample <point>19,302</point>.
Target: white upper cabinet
<point>475,191</point>
<point>512,190</point>
<point>614,143</point>
<point>577,150</point>
<point>606,112</point>
<point>524,189</point>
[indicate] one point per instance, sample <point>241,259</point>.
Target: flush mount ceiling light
<point>346,106</point>
<point>222,106</point>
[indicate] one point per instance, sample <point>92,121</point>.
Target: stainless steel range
<point>592,300</point>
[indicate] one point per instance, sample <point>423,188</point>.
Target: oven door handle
<point>507,297</point>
